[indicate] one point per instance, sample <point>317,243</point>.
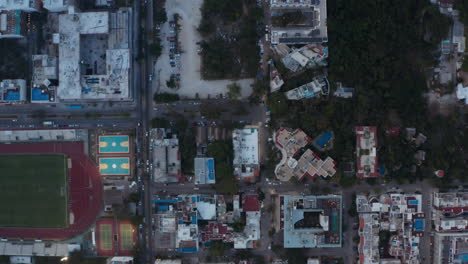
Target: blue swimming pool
<point>419,225</point>
<point>210,166</point>
<point>413,202</point>
<point>324,139</point>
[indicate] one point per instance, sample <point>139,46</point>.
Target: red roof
<point>251,203</point>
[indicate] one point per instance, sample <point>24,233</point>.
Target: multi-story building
<point>24,5</point>
<point>451,227</point>
<point>166,163</point>
<point>308,164</point>
<point>298,21</point>
<point>44,81</point>
<point>311,221</point>
<point>246,155</point>
<point>394,220</point>
<point>95,55</point>
<point>13,91</point>
<point>366,151</point>
<point>12,24</point>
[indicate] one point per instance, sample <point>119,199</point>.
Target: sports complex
<point>49,191</point>
<point>114,155</point>
<point>114,237</point>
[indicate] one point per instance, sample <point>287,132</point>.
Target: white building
<point>246,161</point>
<point>24,5</point>
<point>56,5</point>
<point>13,91</point>
<point>94,55</point>
<point>462,93</point>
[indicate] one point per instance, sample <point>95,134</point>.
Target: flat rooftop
<point>312,221</point>
<point>366,151</point>
<point>13,91</point>
<point>94,55</point>
<point>314,31</point>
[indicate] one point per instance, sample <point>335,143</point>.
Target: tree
<point>165,97</point>
<point>234,90</point>
<point>155,49</point>
<point>217,249</point>
<point>171,83</point>
<point>278,105</point>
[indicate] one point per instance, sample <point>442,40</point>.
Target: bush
<point>165,97</point>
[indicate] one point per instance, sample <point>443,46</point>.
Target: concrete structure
<point>165,155</point>
<point>276,81</point>
<point>449,211</point>
<point>462,93</point>
<point>251,233</point>
<point>44,81</point>
<point>450,248</point>
<point>13,91</point>
<point>56,5</point>
<point>120,260</point>
<point>458,35</point>
<point>94,55</point>
<point>246,162</point>
<point>343,92</point>
<point>12,24</point>
<point>314,89</point>
<point>43,135</point>
<point>290,143</point>
<point>204,171</point>
<point>398,213</point>
<point>311,221</point>
<point>366,151</point>
<point>24,5</point>
<point>312,29</point>
<point>306,57</point>
<point>37,248</point>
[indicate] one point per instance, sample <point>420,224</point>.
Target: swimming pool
<point>324,140</point>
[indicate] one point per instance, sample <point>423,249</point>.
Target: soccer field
<point>33,191</point>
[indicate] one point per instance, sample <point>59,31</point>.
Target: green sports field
<point>33,191</point>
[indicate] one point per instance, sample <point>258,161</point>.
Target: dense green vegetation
<point>13,64</point>
<point>288,18</point>
<point>382,49</point>
<point>165,97</point>
<point>222,153</point>
<point>230,31</point>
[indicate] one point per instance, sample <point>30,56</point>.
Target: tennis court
<point>105,235</point>
<point>33,190</point>
<point>114,166</point>
<point>126,236</point>
<point>114,144</point>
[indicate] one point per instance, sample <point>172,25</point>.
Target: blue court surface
<point>114,166</point>
<point>114,144</point>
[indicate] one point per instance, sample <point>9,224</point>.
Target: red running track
<point>84,190</point>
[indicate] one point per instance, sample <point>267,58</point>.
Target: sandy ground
<point>189,64</point>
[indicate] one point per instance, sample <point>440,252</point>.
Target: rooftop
<point>245,144</point>
<point>44,79</point>
<point>308,56</point>
<point>25,5</point>
<point>312,30</point>
<point>366,150</point>
<point>313,89</point>
<point>12,24</point>
<point>13,91</point>
<point>312,221</point>
<point>204,171</point>
<point>166,155</point>
<point>308,164</point>
<point>94,56</point>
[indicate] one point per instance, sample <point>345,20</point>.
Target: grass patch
<point>33,191</point>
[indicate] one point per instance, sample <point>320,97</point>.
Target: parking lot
<point>188,63</point>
